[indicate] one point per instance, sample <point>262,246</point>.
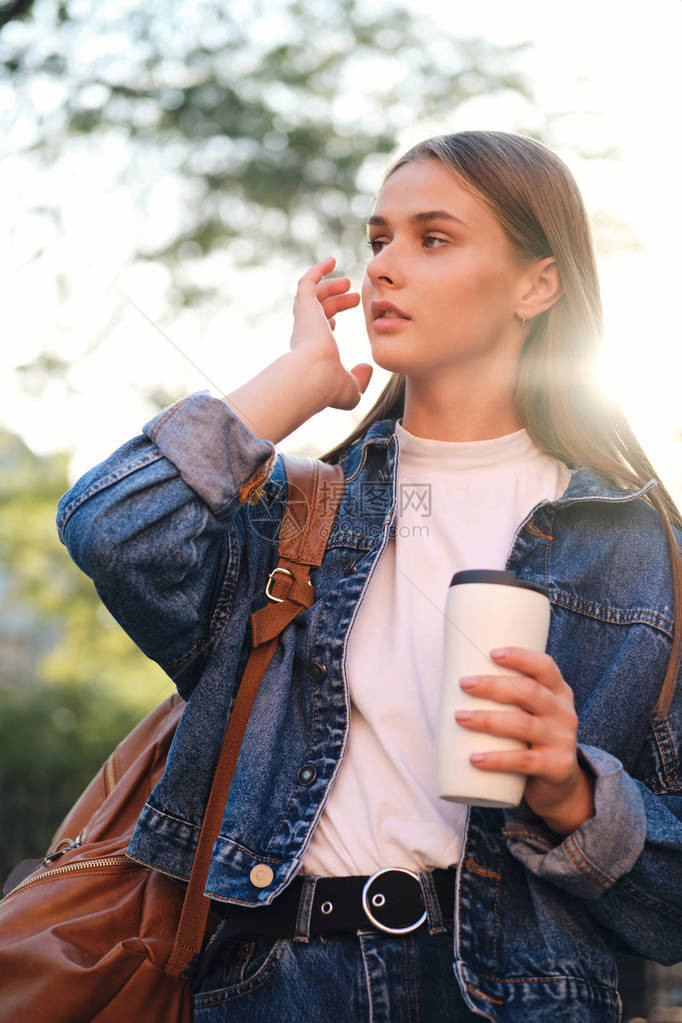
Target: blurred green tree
<point>53,740</point>
<point>72,683</point>
<point>271,118</point>
<point>51,617</point>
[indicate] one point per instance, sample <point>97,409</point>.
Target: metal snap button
<point>261,875</point>
<point>327,907</point>
<point>317,671</point>
<point>307,774</point>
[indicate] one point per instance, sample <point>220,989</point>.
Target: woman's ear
<point>543,288</point>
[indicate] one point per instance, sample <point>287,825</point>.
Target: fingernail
<point>477,758</point>
<point>462,715</point>
<point>467,682</point>
<point>499,651</point>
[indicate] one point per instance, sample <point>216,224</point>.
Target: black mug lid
<point>491,575</point>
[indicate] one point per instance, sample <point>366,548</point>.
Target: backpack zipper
<point>66,845</point>
<point>82,865</point>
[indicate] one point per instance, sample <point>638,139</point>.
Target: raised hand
<point>316,305</point>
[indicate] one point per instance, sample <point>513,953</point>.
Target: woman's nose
<point>383,266</point>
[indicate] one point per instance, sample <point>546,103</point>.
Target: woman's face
<point>442,260</point>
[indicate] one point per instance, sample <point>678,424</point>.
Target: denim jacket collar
<point>585,484</point>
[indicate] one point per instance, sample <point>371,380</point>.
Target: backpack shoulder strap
<point>315,492</point>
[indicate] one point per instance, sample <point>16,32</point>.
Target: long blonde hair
<point>536,200</point>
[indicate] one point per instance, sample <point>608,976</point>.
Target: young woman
<point>490,447</point>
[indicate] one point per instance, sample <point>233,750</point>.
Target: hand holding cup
<point>485,609</point>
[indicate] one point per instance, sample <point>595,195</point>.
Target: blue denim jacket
<point>178,530</point>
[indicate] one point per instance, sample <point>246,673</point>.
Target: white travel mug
<point>484,609</point>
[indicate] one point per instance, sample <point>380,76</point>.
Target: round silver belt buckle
<point>368,911</point>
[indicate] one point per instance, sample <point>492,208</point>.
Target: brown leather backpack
<point>94,936</point>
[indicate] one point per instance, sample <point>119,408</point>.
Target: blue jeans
<point>348,978</point>
<point>361,977</point>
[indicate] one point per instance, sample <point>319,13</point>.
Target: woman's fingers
<point>308,283</point>
<point>332,294</point>
<point>557,788</point>
<point>536,690</point>
<point>543,768</point>
<point>515,691</point>
<point>509,724</point>
<point>355,383</point>
<point>332,286</point>
<point>540,666</point>
<point>518,690</point>
<point>314,285</point>
<point>363,374</point>
<point>332,306</point>
<point>335,296</point>
<point>317,303</point>
<point>529,761</point>
<point>534,705</point>
<point>551,745</point>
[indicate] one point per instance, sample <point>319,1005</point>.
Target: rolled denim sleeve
<point>624,862</point>
<point>215,453</point>
<point>154,526</point>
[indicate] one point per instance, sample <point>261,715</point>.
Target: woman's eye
<point>433,238</point>
<point>430,241</point>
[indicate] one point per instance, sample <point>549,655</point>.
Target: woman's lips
<point>389,322</point>
<point>384,308</point>
<point>386,316</point>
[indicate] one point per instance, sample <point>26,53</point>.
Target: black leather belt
<point>390,900</point>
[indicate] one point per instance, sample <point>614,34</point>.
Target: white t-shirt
<point>459,506</point>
